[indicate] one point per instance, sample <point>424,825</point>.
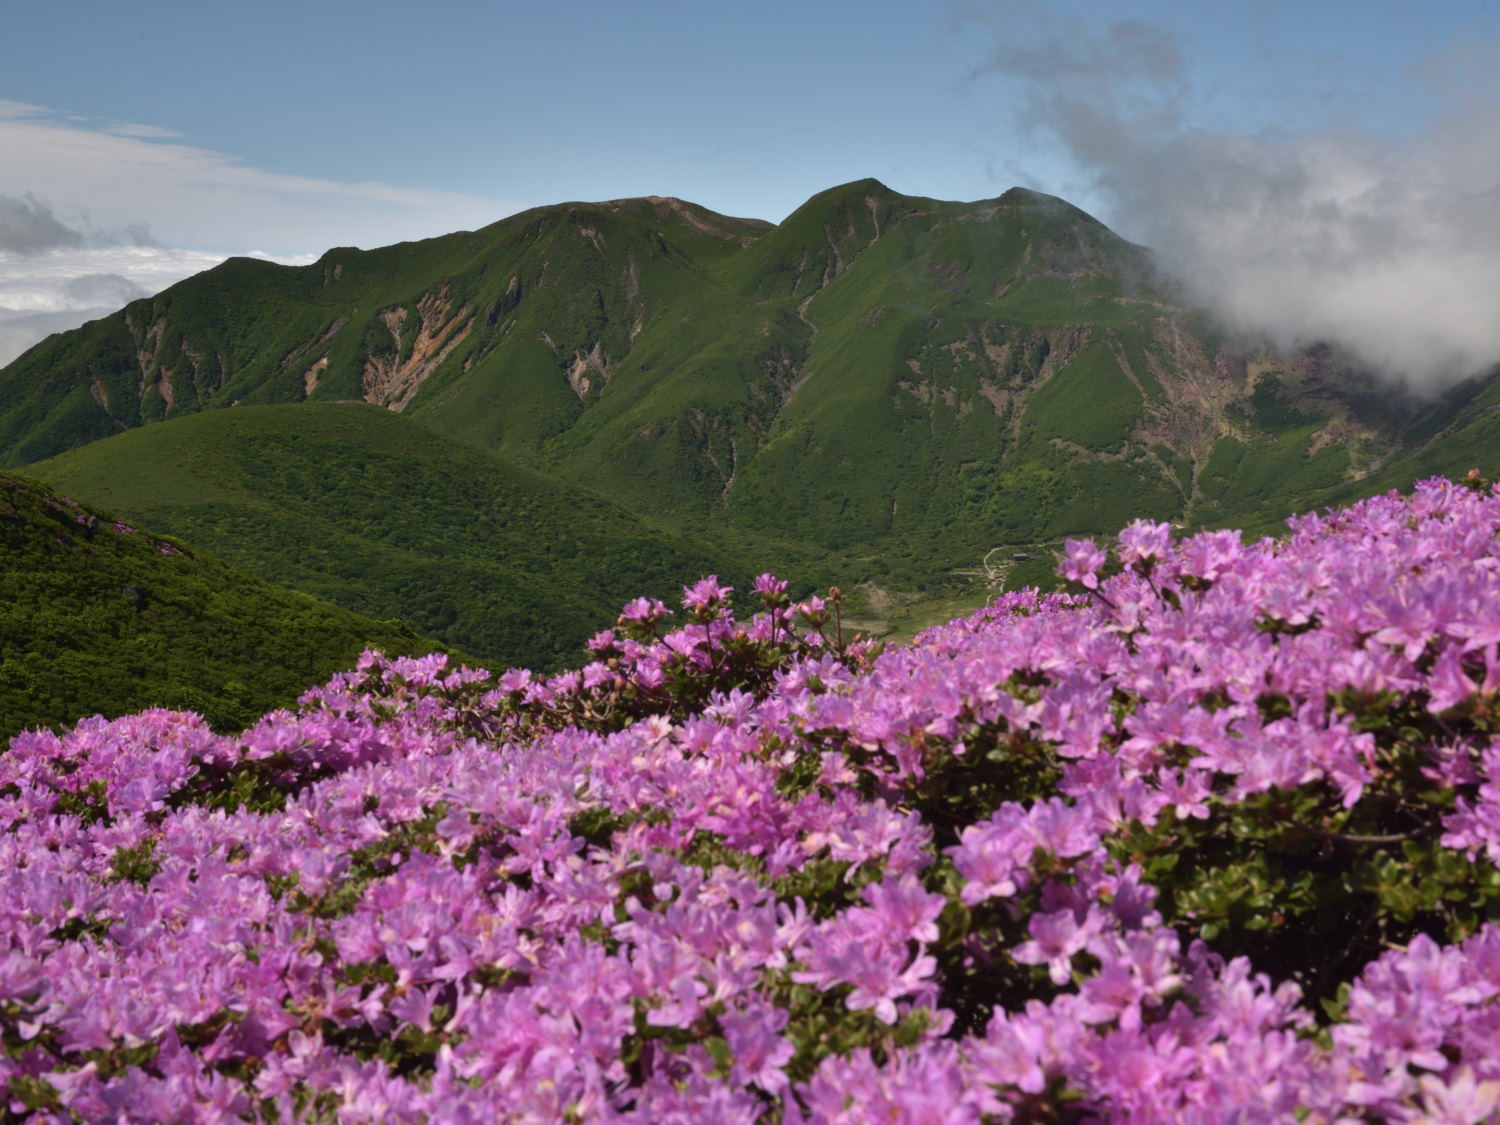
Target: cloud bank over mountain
<point>61,287</point>
<point>94,214</point>
<point>28,226</point>
<point>1383,244</point>
<point>97,175</point>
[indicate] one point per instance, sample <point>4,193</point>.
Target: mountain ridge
<point>883,380</point>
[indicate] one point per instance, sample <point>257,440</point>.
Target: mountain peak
<point>868,185</point>
<point>854,190</point>
<point>693,214</point>
<point>657,211</point>
<point>1039,202</point>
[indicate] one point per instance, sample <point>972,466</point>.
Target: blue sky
<point>180,131</point>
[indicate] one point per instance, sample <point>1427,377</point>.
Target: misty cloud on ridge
<point>1388,249</point>
<point>60,289</point>
<point>194,196</point>
<point>102,179</point>
<point>21,330</point>
<point>28,226</point>
<point>95,290</point>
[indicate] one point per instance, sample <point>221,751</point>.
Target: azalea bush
<point>1212,837</point>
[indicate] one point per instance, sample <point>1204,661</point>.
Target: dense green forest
<point>387,517</point>
<point>100,615</point>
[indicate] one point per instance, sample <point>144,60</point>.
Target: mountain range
<point>502,433</point>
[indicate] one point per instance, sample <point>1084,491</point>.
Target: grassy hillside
<point>381,514</point>
<point>103,616</point>
<point>877,375</point>
<point>882,388</point>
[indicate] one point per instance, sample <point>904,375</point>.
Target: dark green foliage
<point>137,864</point>
<point>384,516</point>
<point>1090,403</point>
<point>97,616</point>
<point>1270,409</point>
<point>1291,869</point>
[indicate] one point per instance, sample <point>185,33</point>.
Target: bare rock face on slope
<point>876,366</point>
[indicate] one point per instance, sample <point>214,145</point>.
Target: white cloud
<point>73,190</point>
<point>9,108</point>
<point>28,226</point>
<point>54,291</point>
<point>1386,246</point>
<point>1392,253</point>
<point>112,176</point>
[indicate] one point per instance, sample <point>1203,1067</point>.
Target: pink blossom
<point>1082,561</point>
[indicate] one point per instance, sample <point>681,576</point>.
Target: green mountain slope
<point>1454,434</point>
<point>878,377</point>
<point>98,615</point>
<point>383,515</point>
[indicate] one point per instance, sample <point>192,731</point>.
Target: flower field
<point>1213,838</point>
